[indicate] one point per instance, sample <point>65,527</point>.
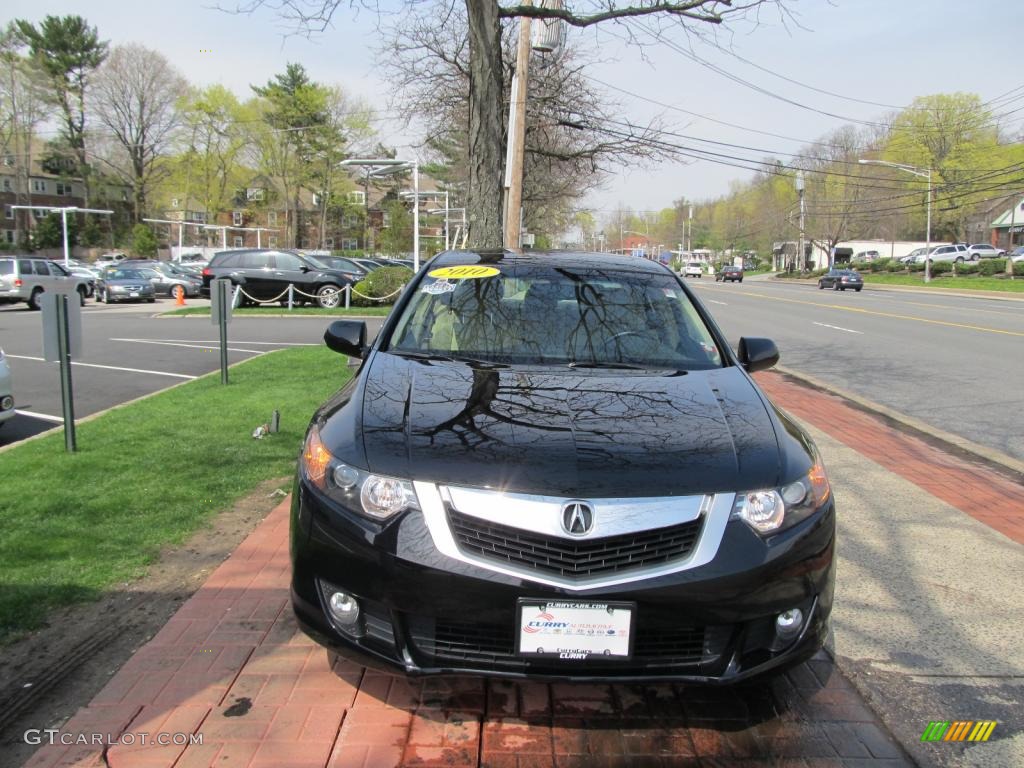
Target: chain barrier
<point>240,292</point>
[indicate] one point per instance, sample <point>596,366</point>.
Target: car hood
<point>564,433</point>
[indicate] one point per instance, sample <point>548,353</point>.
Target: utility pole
<point>517,138</point>
<point>689,230</point>
<point>801,258</point>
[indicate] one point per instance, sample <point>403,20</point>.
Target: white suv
<point>26,278</point>
<point>693,269</point>
<point>957,253</point>
<point>984,251</point>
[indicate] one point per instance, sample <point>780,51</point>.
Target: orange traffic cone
<point>179,291</point>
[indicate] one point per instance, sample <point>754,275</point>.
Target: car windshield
<point>543,315</point>
<point>124,274</point>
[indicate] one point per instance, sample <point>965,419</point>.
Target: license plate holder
<point>575,630</point>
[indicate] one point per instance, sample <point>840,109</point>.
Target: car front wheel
<point>329,296</point>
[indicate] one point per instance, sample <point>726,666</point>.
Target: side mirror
<point>347,337</point>
<point>757,354</point>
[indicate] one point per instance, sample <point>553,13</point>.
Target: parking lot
<point>130,351</point>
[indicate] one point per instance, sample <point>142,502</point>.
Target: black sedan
<point>124,284</point>
<point>841,279</point>
<point>552,465</point>
<point>729,273</point>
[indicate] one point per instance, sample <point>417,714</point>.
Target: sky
<point>878,51</point>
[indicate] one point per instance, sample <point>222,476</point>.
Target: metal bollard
<point>236,300</point>
<point>291,296</point>
<point>348,295</point>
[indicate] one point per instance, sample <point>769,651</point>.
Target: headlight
<point>377,496</point>
<point>771,511</point>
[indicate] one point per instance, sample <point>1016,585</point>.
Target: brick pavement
<point>986,495</point>
<point>231,667</point>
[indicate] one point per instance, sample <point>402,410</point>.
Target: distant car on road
<point>124,284</point>
<point>841,279</point>
<point>984,251</point>
<point>6,390</point>
<point>693,269</point>
<point>729,273</point>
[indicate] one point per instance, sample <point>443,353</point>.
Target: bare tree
<point>136,96</point>
<point>486,76</point>
<point>573,133</point>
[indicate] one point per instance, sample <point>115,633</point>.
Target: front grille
<point>569,557</point>
<point>470,645</point>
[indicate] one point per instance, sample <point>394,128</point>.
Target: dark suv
<point>265,274</point>
<point>553,465</point>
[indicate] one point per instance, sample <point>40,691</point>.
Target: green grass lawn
<point>276,311</point>
<point>145,476</point>
<point>968,282</point>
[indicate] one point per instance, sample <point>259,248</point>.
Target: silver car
<point>27,278</point>
<point>984,251</point>
<point>6,391</point>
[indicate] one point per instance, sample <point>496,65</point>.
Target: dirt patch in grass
<point>46,675</point>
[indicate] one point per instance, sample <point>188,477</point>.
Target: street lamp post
<point>63,219</point>
<point>925,173</point>
<point>395,165</point>
<point>801,255</point>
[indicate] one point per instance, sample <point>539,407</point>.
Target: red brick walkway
<point>982,493</point>
<point>231,667</point>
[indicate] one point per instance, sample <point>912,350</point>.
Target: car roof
<point>573,259</point>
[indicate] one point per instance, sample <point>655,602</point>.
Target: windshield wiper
<point>446,358</point>
<point>621,366</point>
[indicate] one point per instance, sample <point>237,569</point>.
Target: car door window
<point>287,262</point>
<point>256,261</point>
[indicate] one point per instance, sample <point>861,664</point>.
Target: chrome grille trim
<point>715,509</point>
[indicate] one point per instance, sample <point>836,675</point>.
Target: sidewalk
<point>230,666</point>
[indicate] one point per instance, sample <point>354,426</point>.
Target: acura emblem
<point>577,518</point>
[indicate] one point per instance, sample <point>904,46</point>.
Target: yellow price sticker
<point>466,272</point>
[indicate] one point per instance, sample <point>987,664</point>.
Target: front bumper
<point>426,613</point>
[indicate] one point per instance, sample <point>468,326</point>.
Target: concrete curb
<point>949,441</point>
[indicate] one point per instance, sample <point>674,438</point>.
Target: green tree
<point>69,52</point>
<point>49,232</point>
<point>144,242</point>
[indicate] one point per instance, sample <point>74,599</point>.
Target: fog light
<point>344,608</point>
<point>789,622</point>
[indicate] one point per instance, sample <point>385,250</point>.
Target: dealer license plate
<point>574,631</point>
<point>133,295</point>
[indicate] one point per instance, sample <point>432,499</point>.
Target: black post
<point>225,297</point>
<point>64,351</point>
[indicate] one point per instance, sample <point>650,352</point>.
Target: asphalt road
<point>956,363</point>
<point>128,351</point>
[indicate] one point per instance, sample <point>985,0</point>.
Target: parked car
<point>729,273</point>
<point>368,264</point>
<point>911,257</point>
<point>192,258</point>
<point>1017,254</point>
<point>265,274</point>
<point>124,284</point>
<point>552,465</point>
<point>841,279</point>
<point>866,256</point>
<point>26,278</point>
<point>957,253</point>
<point>109,260</point>
<point>6,390</point>
<point>342,264</point>
<point>983,251</point>
<point>89,275</point>
<point>693,269</point>
<point>167,278</point>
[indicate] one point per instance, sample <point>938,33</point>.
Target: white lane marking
<point>211,345</point>
<point>837,328</point>
<point>712,301</point>
<point>43,416</point>
<point>217,341</point>
<point>113,367</point>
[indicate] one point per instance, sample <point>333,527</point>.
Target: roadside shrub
<point>969,268</point>
<point>941,267</point>
<point>380,283</point>
<point>990,267</point>
<point>1018,269</point>
<point>917,267</point>
<point>882,265</point>
<point>894,266</point>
